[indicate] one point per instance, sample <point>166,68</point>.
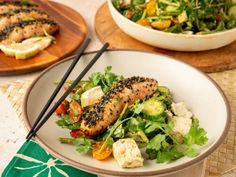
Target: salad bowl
<point>202,95</point>
<point>172,41</point>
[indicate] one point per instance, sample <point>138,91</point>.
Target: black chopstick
<point>75,61</point>
<point>68,91</point>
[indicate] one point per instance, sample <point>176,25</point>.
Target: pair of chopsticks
<point>40,121</point>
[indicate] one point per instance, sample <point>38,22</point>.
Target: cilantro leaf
<point>156,142</point>
<point>163,157</point>
<point>75,97</point>
<point>137,108</point>
<point>83,145</point>
<point>106,80</point>
<point>196,136</point>
<point>119,132</point>
<point>191,152</point>
<point>96,78</point>
<point>135,124</point>
<point>65,122</point>
<point>172,153</point>
<point>151,127</point>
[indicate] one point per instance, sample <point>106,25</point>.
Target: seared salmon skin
<point>19,15</point>
<point>110,106</point>
<point>8,6</point>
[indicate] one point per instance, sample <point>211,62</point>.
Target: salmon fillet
<point>19,15</point>
<point>26,29</point>
<point>107,111</point>
<point>7,6</point>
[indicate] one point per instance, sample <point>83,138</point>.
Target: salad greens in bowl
<point>177,25</point>
<point>164,129</point>
<point>147,118</point>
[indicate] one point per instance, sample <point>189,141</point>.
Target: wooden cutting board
<point>72,33</point>
<point>208,61</point>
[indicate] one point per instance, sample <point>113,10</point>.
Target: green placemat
<point>33,161</point>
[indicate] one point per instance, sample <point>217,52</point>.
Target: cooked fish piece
<point>19,15</point>
<point>107,111</point>
<point>7,6</point>
<point>26,29</point>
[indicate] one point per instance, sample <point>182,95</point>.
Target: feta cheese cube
<point>180,109</point>
<point>127,153</point>
<point>181,124</point>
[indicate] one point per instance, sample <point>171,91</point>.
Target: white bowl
<point>172,41</point>
<point>200,93</point>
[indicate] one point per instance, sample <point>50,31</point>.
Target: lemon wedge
<point>91,96</point>
<point>8,50</point>
<point>23,52</point>
<point>26,48</point>
<point>44,42</point>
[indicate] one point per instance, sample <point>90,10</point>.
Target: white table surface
<point>12,133</point>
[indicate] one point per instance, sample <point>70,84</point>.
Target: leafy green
<point>66,140</point>
<point>65,122</point>
<point>137,107</point>
<point>119,132</point>
<point>196,136</point>
<point>156,142</point>
<point>106,80</point>
<point>191,17</point>
<point>115,126</point>
<point>135,124</point>
<point>151,127</point>
<point>191,152</point>
<point>83,145</point>
<point>172,153</point>
<point>75,97</point>
<point>110,142</point>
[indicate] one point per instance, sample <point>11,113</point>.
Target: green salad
<point>185,16</point>
<point>163,129</point>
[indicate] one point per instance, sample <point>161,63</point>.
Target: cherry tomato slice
<point>76,133</point>
<point>98,154</point>
<point>75,111</point>
<point>61,109</point>
<point>73,117</point>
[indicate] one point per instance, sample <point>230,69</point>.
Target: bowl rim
<point>96,170</point>
<point>158,32</point>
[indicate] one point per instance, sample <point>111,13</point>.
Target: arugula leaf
<point>83,145</point>
<point>196,136</point>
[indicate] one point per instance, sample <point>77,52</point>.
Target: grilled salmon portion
<point>26,29</point>
<point>8,6</point>
<point>19,15</point>
<point>107,111</point>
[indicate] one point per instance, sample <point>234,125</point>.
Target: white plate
<point>203,97</point>
<point>172,41</point>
